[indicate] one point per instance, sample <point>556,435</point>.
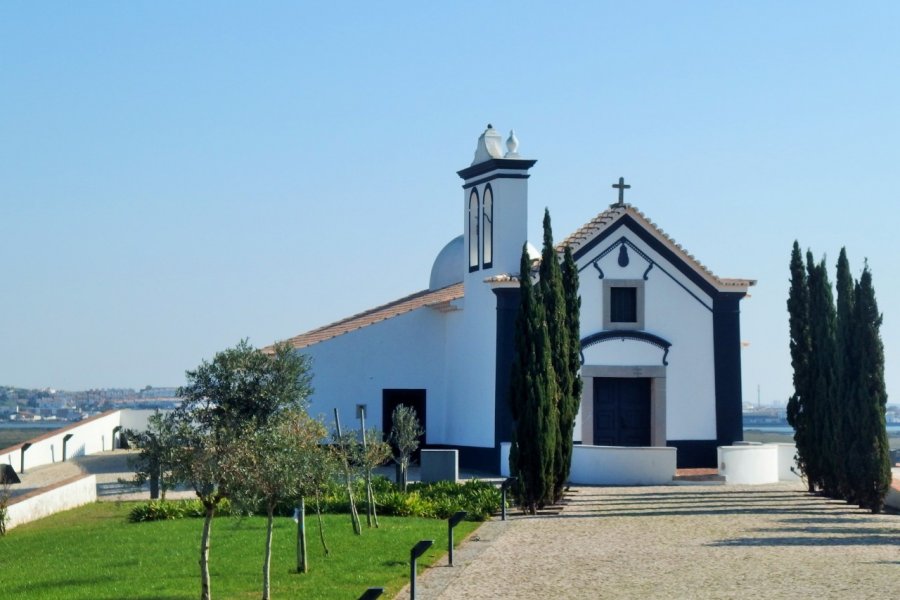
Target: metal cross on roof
<point>621,186</point>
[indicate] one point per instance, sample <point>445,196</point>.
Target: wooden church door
<point>621,411</point>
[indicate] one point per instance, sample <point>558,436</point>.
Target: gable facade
<point>683,334</point>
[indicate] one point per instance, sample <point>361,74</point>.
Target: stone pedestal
<point>439,465</point>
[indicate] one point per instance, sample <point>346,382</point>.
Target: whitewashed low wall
<point>787,463</point>
<point>85,437</point>
<point>893,496</point>
<point>751,464</point>
<point>55,499</point>
<point>617,465</point>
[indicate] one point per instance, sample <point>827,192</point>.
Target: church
<point>660,333</point>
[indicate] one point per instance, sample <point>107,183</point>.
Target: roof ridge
<point>377,314</point>
<point>576,239</point>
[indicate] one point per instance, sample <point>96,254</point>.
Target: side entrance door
<point>621,411</point>
<point>391,399</point>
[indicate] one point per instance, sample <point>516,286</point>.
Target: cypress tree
<point>533,396</point>
<point>873,451</point>
<point>845,411</point>
<point>554,301</point>
<point>799,405</point>
<point>572,395</point>
<point>823,378</point>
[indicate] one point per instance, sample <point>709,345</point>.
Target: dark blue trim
<point>623,255</point>
<point>472,184</point>
<point>675,260</point>
<point>727,359</point>
<point>627,334</point>
<point>484,194</point>
<point>474,267</point>
<point>495,164</point>
<point>695,454</point>
<point>508,300</point>
<point>624,242</point>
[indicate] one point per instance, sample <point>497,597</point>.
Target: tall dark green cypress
<point>572,396</point>
<point>845,411</point>
<point>554,301</point>
<point>799,407</point>
<point>533,393</point>
<point>823,378</point>
<point>874,449</point>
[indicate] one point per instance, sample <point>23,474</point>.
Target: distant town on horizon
<point>49,405</point>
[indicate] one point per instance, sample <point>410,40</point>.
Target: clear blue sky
<point>177,176</point>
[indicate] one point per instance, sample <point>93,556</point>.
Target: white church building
<point>660,333</point>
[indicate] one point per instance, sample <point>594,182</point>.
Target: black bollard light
<point>371,593</point>
<point>451,523</point>
<point>417,551</point>
<point>504,487</point>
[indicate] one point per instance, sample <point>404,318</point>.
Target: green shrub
<point>164,510</point>
<point>437,500</point>
<point>156,510</point>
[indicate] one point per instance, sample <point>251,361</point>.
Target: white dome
<point>450,265</point>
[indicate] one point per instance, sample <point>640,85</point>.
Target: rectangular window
<point>623,305</point>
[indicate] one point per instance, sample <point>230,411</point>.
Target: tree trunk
<point>302,560</point>
<point>154,482</point>
<point>368,499</point>
<point>372,501</point>
<point>267,563</point>
<point>321,526</point>
<point>204,553</point>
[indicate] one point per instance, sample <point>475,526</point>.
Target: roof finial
<point>512,145</point>
<point>488,146</point>
<point>621,186</point>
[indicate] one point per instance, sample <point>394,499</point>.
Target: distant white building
<point>660,333</point>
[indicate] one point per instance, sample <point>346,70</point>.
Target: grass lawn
<point>92,552</point>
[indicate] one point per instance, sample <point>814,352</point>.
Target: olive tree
<point>404,439</point>
<point>224,403</point>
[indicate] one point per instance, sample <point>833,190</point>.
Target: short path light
<point>371,593</point>
<point>25,447</point>
<point>417,551</point>
<point>451,523</point>
<point>504,487</point>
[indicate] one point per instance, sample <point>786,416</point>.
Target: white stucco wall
<point>69,495</point>
<point>406,351</point>
<point>671,313</point>
<point>471,366</point>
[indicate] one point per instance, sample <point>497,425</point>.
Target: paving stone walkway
<point>674,542</point>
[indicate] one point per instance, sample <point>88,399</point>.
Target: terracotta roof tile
<point>438,299</point>
<point>595,226</point>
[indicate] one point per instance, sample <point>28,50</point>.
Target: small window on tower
<point>487,229</point>
<point>474,217</point>
<point>623,304</point>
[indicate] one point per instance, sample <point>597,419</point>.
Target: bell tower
<point>495,205</point>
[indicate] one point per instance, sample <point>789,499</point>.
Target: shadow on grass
<point>44,588</point>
